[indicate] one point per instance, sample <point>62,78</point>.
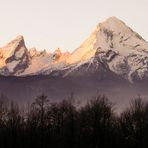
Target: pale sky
<point>49,24</point>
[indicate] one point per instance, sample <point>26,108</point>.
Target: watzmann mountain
<point>112,46</point>
<point>111,59</point>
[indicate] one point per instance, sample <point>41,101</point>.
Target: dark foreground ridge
<point>66,125</point>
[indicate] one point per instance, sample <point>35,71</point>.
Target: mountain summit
<point>112,47</point>
<point>13,57</point>
<point>103,36</point>
<point>117,47</point>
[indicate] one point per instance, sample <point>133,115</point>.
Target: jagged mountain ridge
<point>17,60</point>
<point>113,47</point>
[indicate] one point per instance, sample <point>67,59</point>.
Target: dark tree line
<point>63,125</point>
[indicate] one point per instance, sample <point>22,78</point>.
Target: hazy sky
<point>48,24</point>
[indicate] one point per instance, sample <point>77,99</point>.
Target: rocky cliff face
<point>17,60</point>
<point>14,58</point>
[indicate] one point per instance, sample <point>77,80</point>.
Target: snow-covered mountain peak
<point>14,56</point>
<point>18,38</point>
<point>33,52</point>
<point>114,24</point>
<point>122,50</point>
<point>57,53</point>
<point>15,43</point>
<point>106,35</point>
<point>117,47</point>
<point>115,34</point>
